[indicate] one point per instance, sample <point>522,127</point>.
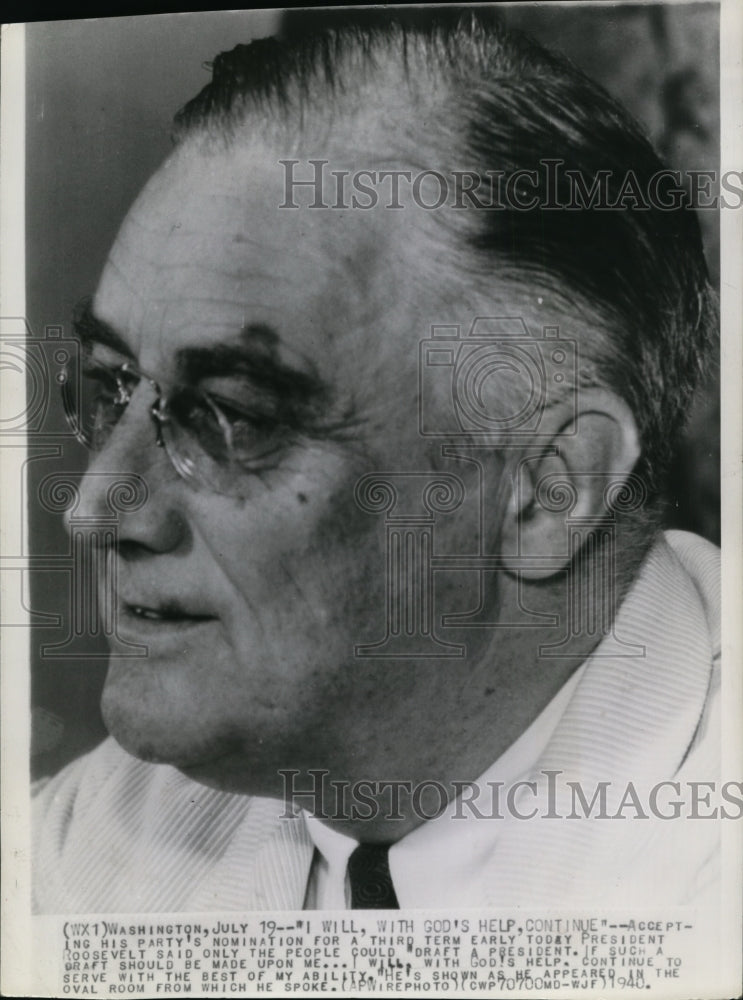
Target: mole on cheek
<point>302,497</point>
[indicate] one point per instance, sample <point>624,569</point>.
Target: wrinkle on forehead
<point>206,253</point>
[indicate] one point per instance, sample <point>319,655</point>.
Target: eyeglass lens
<point>196,436</point>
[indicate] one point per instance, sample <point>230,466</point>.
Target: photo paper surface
<point>371,498</point>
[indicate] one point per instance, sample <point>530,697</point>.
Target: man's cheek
<point>308,560</point>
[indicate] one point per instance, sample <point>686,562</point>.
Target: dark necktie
<point>371,882</point>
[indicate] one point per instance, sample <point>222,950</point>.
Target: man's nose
<point>132,482</point>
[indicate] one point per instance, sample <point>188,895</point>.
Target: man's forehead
<point>207,251</point>
<point>245,184</point>
<point>215,199</point>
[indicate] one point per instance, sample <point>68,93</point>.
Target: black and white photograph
<point>371,491</point>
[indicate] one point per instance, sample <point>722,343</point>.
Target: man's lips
<point>158,612</point>
<point>169,611</point>
<point>163,625</point>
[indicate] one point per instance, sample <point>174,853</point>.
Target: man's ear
<point>589,451</point>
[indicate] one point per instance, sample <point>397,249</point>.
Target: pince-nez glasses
<point>210,443</point>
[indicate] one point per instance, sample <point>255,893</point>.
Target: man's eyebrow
<point>256,358</point>
<point>295,397</point>
<point>91,330</point>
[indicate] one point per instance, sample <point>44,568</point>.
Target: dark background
<point>100,98</point>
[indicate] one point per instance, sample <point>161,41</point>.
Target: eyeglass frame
<point>159,412</point>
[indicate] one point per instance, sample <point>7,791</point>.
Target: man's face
<point>251,606</point>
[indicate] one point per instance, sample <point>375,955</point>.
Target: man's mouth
<point>161,617</point>
<point>165,613</point>
<point>163,625</point>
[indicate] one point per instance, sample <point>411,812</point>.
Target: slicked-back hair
<point>496,101</point>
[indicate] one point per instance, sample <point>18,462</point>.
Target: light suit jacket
<point>115,834</point>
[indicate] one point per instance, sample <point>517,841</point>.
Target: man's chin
<point>154,750</point>
<point>239,768</point>
<point>159,741</point>
<point>223,774</point>
<point>219,762</point>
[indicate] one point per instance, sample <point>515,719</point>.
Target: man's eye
<point>195,414</point>
<point>101,404</point>
<point>238,416</point>
<point>254,437</point>
<point>101,380</point>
